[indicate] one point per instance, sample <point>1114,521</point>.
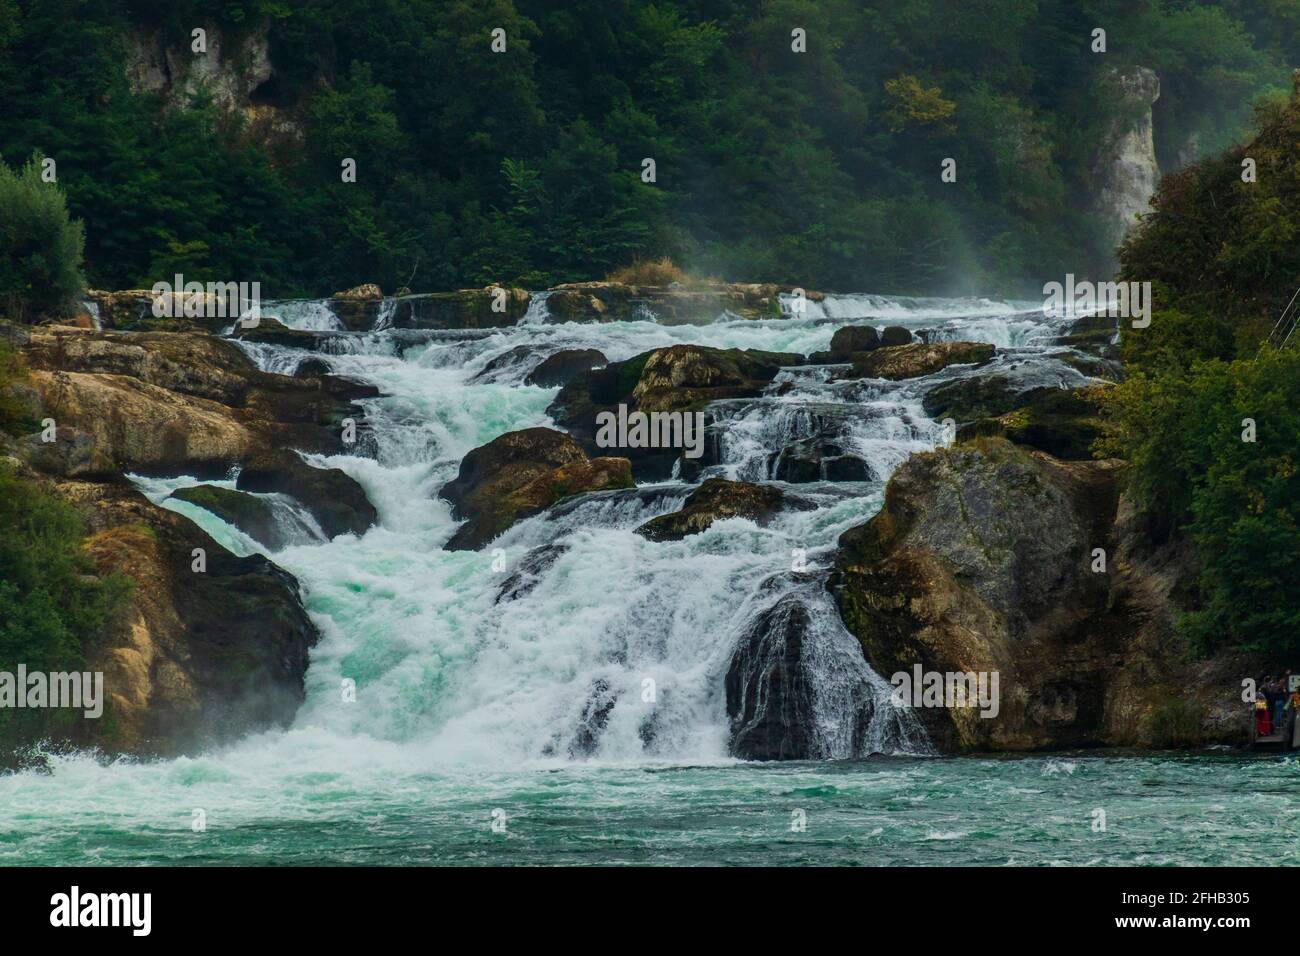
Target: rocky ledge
<point>520,474</point>
<point>681,378</point>
<point>173,403</point>
<point>208,646</point>
<point>985,558</point>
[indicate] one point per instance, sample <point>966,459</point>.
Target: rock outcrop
<point>918,358</point>
<point>696,304</point>
<point>173,402</point>
<point>491,307</point>
<point>334,497</point>
<point>209,647</point>
<point>715,500</point>
<point>984,560</point>
<point>681,378</point>
<point>520,474</point>
<point>234,68</point>
<point>1062,422</point>
<point>250,514</point>
<point>1126,171</point>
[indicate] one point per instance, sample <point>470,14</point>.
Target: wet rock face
<point>683,378</point>
<point>197,657</point>
<point>334,498</point>
<point>715,500</point>
<point>491,307</point>
<point>769,693</point>
<point>814,459</point>
<point>983,560</point>
<point>250,514</point>
<point>595,715</point>
<point>917,359</point>
<point>520,474</point>
<point>529,571</point>
<point>551,371</point>
<point>564,366</point>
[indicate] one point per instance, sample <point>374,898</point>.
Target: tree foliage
<point>40,247</point>
<point>1209,417</point>
<point>819,168</point>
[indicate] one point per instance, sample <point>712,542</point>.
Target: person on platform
<point>1263,726</point>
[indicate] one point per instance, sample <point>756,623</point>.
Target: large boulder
<point>984,560</point>
<point>250,514</point>
<point>209,646</point>
<point>684,378</point>
<point>520,474</point>
<point>854,338</point>
<point>1062,422</point>
<point>564,366</point>
<point>334,497</point>
<point>688,377</point>
<point>917,359</point>
<point>176,402</point>
<point>893,335</point>
<point>715,500</point>
<point>141,427</point>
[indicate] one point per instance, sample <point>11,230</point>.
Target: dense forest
<point>1208,416</point>
<point>820,168</point>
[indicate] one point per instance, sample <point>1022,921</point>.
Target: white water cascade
<point>571,638</point>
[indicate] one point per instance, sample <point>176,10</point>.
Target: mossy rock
<point>715,500</point>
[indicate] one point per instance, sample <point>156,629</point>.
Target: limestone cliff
<point>1125,171</point>
<point>235,69</point>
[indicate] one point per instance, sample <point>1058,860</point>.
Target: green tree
<point>40,246</point>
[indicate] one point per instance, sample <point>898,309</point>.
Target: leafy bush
<point>1177,722</point>
<point>52,606</point>
<point>40,247</point>
<point>1192,470</point>
<point>15,416</point>
<point>648,272</point>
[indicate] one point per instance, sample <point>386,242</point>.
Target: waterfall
<point>571,637</point>
<point>537,312</point>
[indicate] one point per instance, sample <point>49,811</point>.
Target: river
<point>471,738</point>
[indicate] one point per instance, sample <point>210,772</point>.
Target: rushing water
<point>477,673</point>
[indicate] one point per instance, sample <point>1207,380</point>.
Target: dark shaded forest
<point>819,168</point>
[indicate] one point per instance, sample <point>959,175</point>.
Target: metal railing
<point>1286,324</point>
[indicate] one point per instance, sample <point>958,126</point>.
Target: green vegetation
<point>15,415</point>
<point>51,605</point>
<point>40,248</point>
<point>1223,256</point>
<point>819,169</point>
